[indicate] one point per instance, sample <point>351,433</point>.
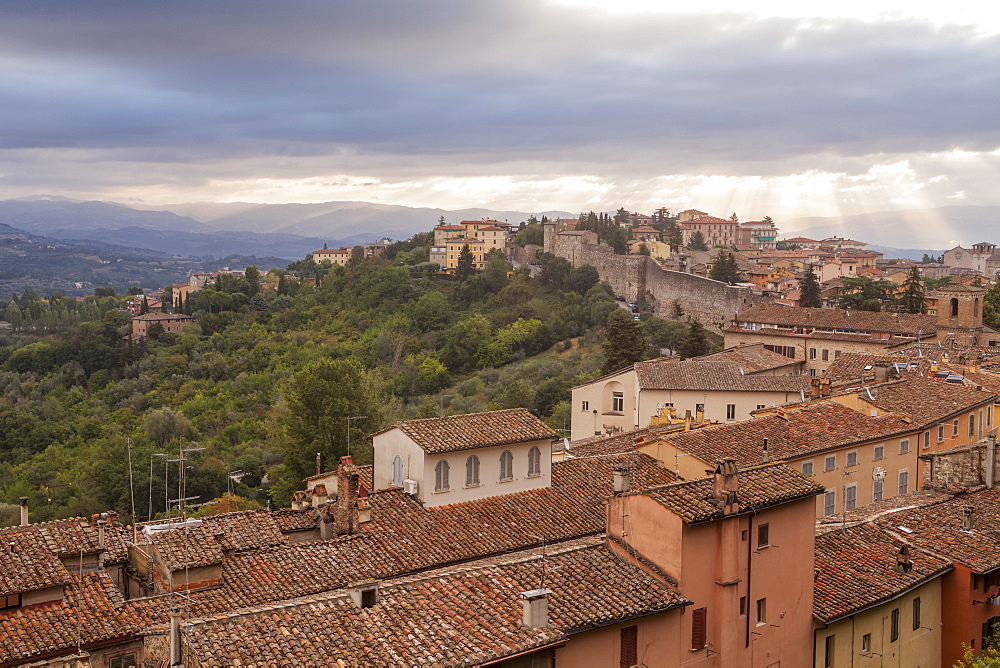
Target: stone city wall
<point>632,276</point>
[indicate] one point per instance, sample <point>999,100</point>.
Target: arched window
<point>441,476</point>
<point>506,466</point>
<point>954,307</point>
<point>534,461</point>
<point>397,471</point>
<point>472,471</point>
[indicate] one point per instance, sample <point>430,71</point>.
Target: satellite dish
<point>878,473</point>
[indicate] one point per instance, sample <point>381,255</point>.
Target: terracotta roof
<point>204,544</point>
<point>474,430</point>
<point>52,627</point>
<point>792,431</point>
<point>711,376</point>
<point>851,366</point>
<point>758,487</point>
<point>839,319</point>
<point>27,564</point>
<point>926,400</point>
<point>937,528</point>
<point>454,617</point>
<point>856,569</point>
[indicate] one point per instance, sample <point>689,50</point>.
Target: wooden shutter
<point>630,646</point>
<point>699,632</point>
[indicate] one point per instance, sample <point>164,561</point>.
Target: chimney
<point>536,608</point>
<point>320,495</point>
<point>622,480</point>
<point>112,518</point>
<point>687,420</point>
<point>346,508</point>
<point>726,485</point>
<point>319,459</point>
<point>175,637</point>
<point>297,500</point>
<point>903,561</point>
<point>967,518</point>
<point>814,389</point>
<point>824,386</point>
<point>767,457</point>
<point>991,459</point>
<point>881,373</point>
<point>24,511</point>
<point>325,520</point>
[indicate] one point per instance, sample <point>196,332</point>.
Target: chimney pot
<point>967,512</point>
<point>24,511</point>
<point>536,608</point>
<point>622,480</point>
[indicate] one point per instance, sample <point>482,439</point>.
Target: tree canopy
<point>809,292</point>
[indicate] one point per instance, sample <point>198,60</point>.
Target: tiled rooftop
<point>447,618</point>
<point>758,487</point>
<point>204,544</point>
<point>794,431</point>
<point>474,430</point>
<point>926,400</point>
<point>937,528</point>
<point>711,376</point>
<point>856,568</point>
<point>752,358</point>
<point>828,318</point>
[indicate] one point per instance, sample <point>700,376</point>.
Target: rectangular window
<point>894,626</point>
<point>763,535</point>
<point>904,446</point>
<point>830,502</point>
<point>699,630</point>
<point>618,402</point>
<point>826,355</point>
<point>879,453</point>
<point>743,605</point>
<point>730,411</point>
<point>828,652</point>
<point>699,408</point>
<point>940,433</point>
<point>852,458</point>
<point>760,407</point>
<point>122,661</point>
<point>812,353</point>
<point>916,613</point>
<point>830,462</point>
<point>761,611</point>
<point>585,406</point>
<point>954,427</point>
<point>836,354</point>
<point>904,481</point>
<point>851,496</point>
<point>866,643</point>
<point>877,489</point>
<point>630,646</point>
<point>927,439</point>
<point>972,425</point>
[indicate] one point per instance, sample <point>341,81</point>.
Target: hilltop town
<point>615,440</point>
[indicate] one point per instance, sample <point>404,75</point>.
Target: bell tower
<point>960,314</point>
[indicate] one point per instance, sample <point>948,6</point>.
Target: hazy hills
<point>206,229</point>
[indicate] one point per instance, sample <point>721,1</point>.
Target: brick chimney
<point>24,511</point>
<point>346,508</point>
<point>903,562</point>
<point>536,608</point>
<point>726,485</point>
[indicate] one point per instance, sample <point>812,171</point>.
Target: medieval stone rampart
<point>711,302</point>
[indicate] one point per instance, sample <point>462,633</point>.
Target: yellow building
<point>877,601</point>
<point>339,256</point>
<point>453,249</point>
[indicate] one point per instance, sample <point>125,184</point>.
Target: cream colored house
<point>877,601</point>
<point>723,391</point>
<point>339,256</point>
<point>451,459</point>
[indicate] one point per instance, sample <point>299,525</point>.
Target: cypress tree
<point>624,343</point>
<point>809,290</point>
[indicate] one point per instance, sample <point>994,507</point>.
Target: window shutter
<point>630,646</point>
<point>699,634</point>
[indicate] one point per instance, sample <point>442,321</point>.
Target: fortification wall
<point>712,303</point>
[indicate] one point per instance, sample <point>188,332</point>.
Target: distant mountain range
<point>290,231</point>
<point>218,229</point>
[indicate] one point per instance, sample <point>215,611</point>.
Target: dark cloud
<point>466,87</point>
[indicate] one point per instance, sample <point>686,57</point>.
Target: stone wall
<point>632,276</point>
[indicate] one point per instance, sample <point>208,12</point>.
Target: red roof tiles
<point>474,430</point>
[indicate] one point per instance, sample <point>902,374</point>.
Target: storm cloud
<point>165,99</point>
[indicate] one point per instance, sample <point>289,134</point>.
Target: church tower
<point>960,314</point>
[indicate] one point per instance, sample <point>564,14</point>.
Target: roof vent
<point>622,480</point>
<point>536,608</point>
<point>967,518</point>
<point>364,594</point>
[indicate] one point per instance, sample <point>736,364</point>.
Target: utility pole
<point>353,417</point>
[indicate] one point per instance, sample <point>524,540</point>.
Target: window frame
<point>851,500</point>
<point>903,482</point>
<point>584,406</point>
<point>730,411</point>
<point>916,613</point>
<point>894,625</point>
<point>442,475</point>
<point>617,402</point>
<point>472,471</point>
<point>955,427</point>
<point>829,463</point>
<point>810,465</point>
<point>761,608</point>
<point>904,446</point>
<point>763,536</point>
<point>534,462</point>
<point>852,458</point>
<point>878,490</point>
<point>829,501</point>
<point>506,466</point>
<point>629,645</point>
<point>940,434</point>
<point>878,453</point>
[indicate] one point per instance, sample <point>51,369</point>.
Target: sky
<point>518,105</point>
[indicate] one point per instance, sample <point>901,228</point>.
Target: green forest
<point>281,367</point>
